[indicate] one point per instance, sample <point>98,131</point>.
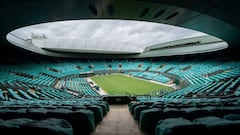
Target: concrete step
<point>118,121</point>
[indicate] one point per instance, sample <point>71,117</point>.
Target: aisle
<point>118,121</point>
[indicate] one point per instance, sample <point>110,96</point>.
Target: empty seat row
<point>83,115</point>
<point>149,113</point>
<point>26,126</point>
<point>209,125</point>
<point>81,120</point>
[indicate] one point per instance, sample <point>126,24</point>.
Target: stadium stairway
<point>118,122</point>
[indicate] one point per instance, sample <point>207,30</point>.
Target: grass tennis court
<point>121,85</point>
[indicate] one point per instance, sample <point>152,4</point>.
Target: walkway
<point>118,121</point>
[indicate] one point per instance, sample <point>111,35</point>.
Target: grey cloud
<point>129,32</point>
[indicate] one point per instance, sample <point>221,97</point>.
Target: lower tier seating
<point>26,126</point>
<point>185,113</point>
<point>210,125</point>
<point>70,117</point>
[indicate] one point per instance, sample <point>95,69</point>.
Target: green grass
<point>121,85</point>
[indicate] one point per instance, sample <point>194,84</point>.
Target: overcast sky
<point>129,32</point>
